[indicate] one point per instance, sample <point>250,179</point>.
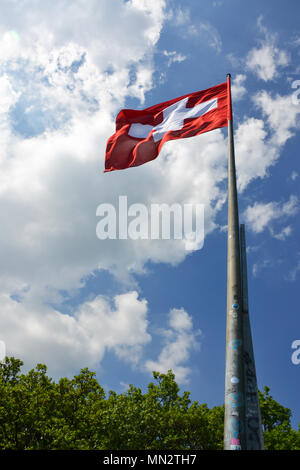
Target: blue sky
<point>126,307</point>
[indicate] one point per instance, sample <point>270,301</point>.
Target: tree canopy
<point>37,413</point>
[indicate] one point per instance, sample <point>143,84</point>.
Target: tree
<point>276,421</point>
<point>38,413</point>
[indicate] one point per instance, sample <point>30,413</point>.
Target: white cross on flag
<point>140,135</point>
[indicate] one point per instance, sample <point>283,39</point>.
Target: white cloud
<point>64,77</point>
<point>259,142</point>
<point>50,225</point>
<point>254,153</point>
<point>174,57</point>
<point>285,232</point>
<point>180,341</point>
<point>8,96</point>
<point>99,27</point>
<point>63,91</point>
<point>204,30</point>
<point>265,264</point>
<point>51,178</point>
<point>179,16</point>
<point>235,62</point>
<point>266,59</point>
<point>238,89</point>
<point>154,11</point>
<point>294,175</point>
<point>293,273</point>
<point>281,114</point>
<point>261,216</point>
<point>67,342</point>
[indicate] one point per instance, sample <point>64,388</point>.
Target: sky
<point>124,308</point>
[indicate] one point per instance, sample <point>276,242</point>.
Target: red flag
<point>140,135</point>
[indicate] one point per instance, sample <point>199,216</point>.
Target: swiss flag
<point>140,135</point>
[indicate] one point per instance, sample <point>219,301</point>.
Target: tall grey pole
<point>234,421</point>
<point>254,434</point>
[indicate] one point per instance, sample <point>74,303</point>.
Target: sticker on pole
<point>235,344</point>
<point>234,380</point>
<point>235,444</point>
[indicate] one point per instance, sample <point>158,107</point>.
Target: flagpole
<point>234,420</point>
<point>254,434</point>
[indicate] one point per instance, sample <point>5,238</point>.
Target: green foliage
<point>38,413</point>
<point>278,432</point>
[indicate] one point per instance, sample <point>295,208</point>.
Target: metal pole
<point>254,434</point>
<point>234,421</point>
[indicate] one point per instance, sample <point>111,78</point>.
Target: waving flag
<point>140,135</point>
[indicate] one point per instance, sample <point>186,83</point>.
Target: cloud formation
<point>262,215</point>
<point>259,142</point>
<point>238,89</point>
<point>180,341</point>
<point>266,59</point>
<point>63,78</point>
<point>67,342</point>
<point>62,90</point>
